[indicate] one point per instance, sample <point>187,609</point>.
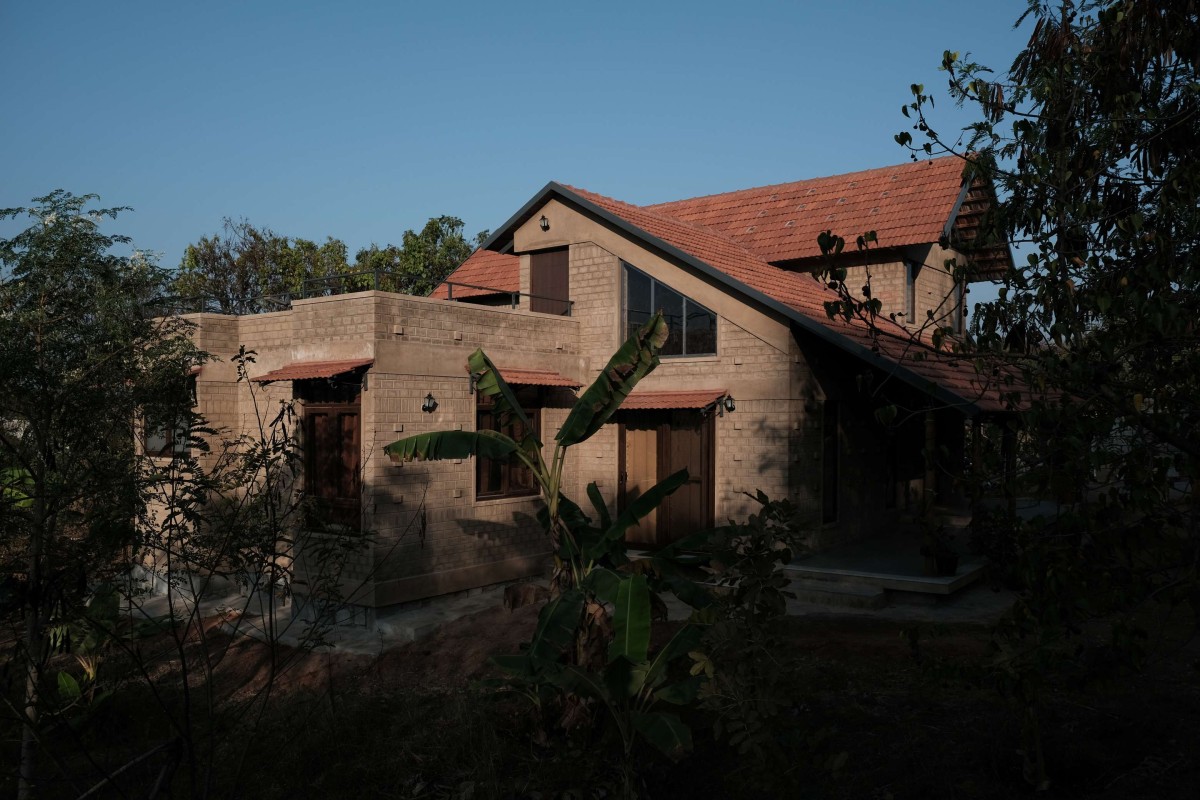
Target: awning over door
<point>307,370</point>
<point>656,400</point>
<point>537,377</point>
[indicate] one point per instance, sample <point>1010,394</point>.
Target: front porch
<point>879,571</point>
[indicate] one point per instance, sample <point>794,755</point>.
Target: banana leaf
<point>601,507</point>
<point>681,693</point>
<point>490,383</point>
<point>603,583</point>
<point>440,445</point>
<point>631,620</point>
<point>654,672</point>
<point>665,731</point>
<point>556,626</point>
<point>635,511</point>
<point>576,521</point>
<point>632,362</point>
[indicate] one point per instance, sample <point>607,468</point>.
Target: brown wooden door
<point>654,445</point>
<point>639,472</point>
<point>690,508</point>
<point>332,453</point>
<point>550,282</point>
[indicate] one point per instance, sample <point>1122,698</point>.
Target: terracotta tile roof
<point>695,399</point>
<point>537,377</point>
<point>906,204</point>
<point>802,293</point>
<point>714,232</point>
<point>305,370</point>
<point>497,273</point>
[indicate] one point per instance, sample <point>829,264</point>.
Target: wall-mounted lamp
<point>544,223</point>
<point>430,404</point>
<point>730,406</point>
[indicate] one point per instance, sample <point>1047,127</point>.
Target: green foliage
<point>589,655</point>
<point>1089,138</point>
<point>246,269</point>
<point>740,648</point>
<point>632,362</point>
<point>423,260</point>
<point>81,356</point>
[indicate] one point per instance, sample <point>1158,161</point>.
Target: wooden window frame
<point>511,468</point>
<point>175,433</point>
<point>331,396</point>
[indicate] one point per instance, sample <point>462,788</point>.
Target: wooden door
<point>550,282</point>
<point>332,461</point>
<point>639,471</point>
<point>690,508</point>
<point>654,445</point>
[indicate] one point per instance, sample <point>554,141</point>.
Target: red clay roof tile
<point>801,292</point>
<point>905,205</point>
<point>740,233</point>
<point>694,399</point>
<point>496,273</point>
<point>537,377</point>
<point>305,370</point>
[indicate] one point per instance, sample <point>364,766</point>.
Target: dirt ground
<point>416,721</point>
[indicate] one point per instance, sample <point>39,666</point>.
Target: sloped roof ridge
<point>814,290</point>
<point>672,219</point>
<point>862,173</point>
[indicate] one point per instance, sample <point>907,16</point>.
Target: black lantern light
<point>730,406</point>
<point>430,404</point>
<point>544,223</point>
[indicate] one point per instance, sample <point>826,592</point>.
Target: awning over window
<point>306,370</point>
<point>697,399</point>
<point>537,377</point>
<point>194,371</point>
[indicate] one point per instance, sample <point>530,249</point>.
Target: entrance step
<point>845,594</point>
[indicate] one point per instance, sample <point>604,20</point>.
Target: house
<point>758,388</point>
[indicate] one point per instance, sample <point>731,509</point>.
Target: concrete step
<point>842,593</point>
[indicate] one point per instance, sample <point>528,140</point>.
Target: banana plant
<point>631,684</point>
<point>562,519</point>
<point>592,638</point>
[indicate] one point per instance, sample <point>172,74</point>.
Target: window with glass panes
<point>495,478</point>
<point>692,328</point>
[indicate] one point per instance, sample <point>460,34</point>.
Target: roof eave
<point>503,236</point>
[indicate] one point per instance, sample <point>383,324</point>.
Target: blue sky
<point>359,120</point>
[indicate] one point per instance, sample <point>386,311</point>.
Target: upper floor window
<point>692,328</point>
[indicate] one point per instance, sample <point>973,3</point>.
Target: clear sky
<point>361,119</point>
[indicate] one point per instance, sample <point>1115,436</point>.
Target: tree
<point>1090,138</point>
<point>80,356</point>
<point>244,269</point>
<point>424,259</point>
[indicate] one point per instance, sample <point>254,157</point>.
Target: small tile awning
<point>306,370</point>
<point>657,400</point>
<point>194,371</point>
<point>537,377</point>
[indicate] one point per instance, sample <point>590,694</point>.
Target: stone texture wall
<point>935,291</point>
